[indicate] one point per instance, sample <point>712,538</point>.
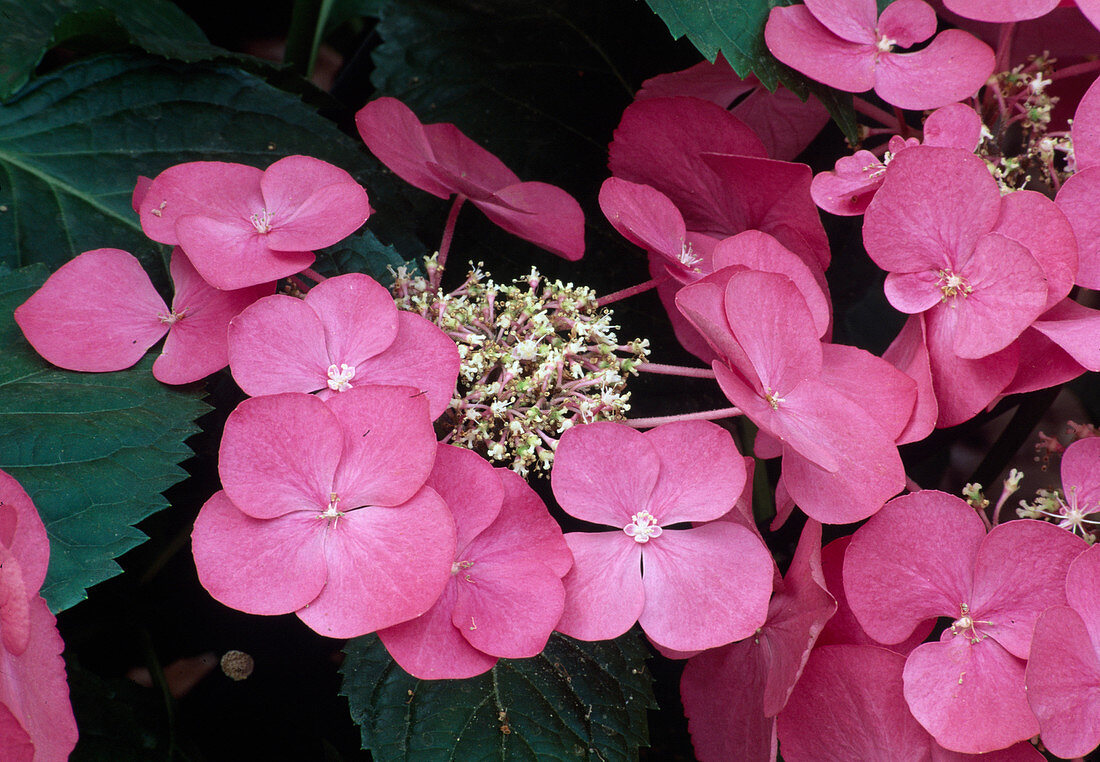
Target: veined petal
<point>358,315</point>
<point>907,22</point>
<point>851,20</point>
<point>199,187</point>
<point>603,591</point>
<point>644,216</point>
<point>543,214</point>
<point>954,66</point>
<point>701,472</point>
<point>312,204</point>
<point>798,39</point>
<point>230,254</point>
<point>394,134</point>
<point>278,345</point>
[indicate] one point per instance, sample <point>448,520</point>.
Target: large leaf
<point>31,28</point>
<point>361,253</point>
<point>93,450</point>
<point>575,701</point>
<point>73,143</point>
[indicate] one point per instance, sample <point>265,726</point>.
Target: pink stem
<point>903,126</point>
<point>865,108</point>
<point>313,275</point>
<point>705,415</point>
<point>448,235</point>
<point>675,370</point>
<point>615,296</point>
<point>911,485</point>
<point>299,283</point>
<point>1072,71</point>
<point>1004,46</point>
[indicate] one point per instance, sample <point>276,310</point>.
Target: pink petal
<point>785,123</point>
<point>969,696</point>
<point>604,595</point>
<point>430,647</point>
<point>1077,200</point>
<point>1063,671</point>
<point>908,353</point>
<point>461,156</point>
<point>358,315</point>
<point>798,39</point>
<point>1085,130</point>
<point>260,566</point>
<point>701,307</point>
<point>701,472</point>
<point>23,533</point>
<point>312,203</point>
<point>1034,221</point>
<point>953,67</point>
<point>15,742</point>
<point>1043,364</point>
<point>394,134</point>
<point>278,345</point>
<point>389,444</point>
<point>141,187</point>
<point>1001,10</point>
<point>955,125</point>
<point>230,254</point>
<point>197,343</point>
<point>279,454</point>
<point>850,20</point>
<point>705,587</point>
<point>964,387</point>
<point>550,217</point>
<point>386,565</point>
<point>604,473</point>
<point>1081,473</point>
<point>1021,570</point>
<point>539,529</point>
<point>103,295</point>
<point>470,487</point>
<point>914,293</point>
<point>15,597</point>
<point>878,387</point>
<point>912,561</point>
<point>1074,328</point>
<point>644,216</point>
<point>907,22</point>
<point>205,188</point>
<point>848,195</point>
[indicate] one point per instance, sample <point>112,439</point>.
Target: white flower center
<point>773,398</point>
<point>339,378</point>
<point>885,44</point>
<point>172,317</point>
<point>261,220</point>
<point>686,257</point>
<point>966,625</point>
<point>952,284</point>
<point>642,527</point>
<point>331,513</point>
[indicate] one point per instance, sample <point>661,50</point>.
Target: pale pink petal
<point>953,67</point>
<point>540,213</point>
<point>529,515</point>
<point>908,353</point>
<point>802,42</point>
<point>430,647</point>
<point>23,532</point>
<point>394,134</point>
<point>230,254</point>
<point>1021,570</point>
<point>887,394</point>
<point>358,315</point>
<point>1081,475</point>
<point>386,565</point>
<point>470,487</point>
<point>389,444</point>
<point>1085,130</point>
<point>1077,200</point>
<point>1001,10</point>
<point>969,696</point>
<point>914,292</point>
<point>15,597</point>
<point>851,20</point>
<point>197,343</point>
<point>199,187</point>
<point>604,595</point>
<point>913,560</point>
<point>644,216</point>
<point>705,587</point>
<point>312,204</point>
<point>278,345</point>
<point>1034,221</point>
<point>279,454</point>
<point>955,125</point>
<point>260,566</point>
<point>99,312</point>
<point>1074,328</point>
<point>907,22</point>
<point>1063,671</point>
<point>701,472</point>
<point>604,472</point>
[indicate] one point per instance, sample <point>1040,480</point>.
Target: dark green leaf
<point>575,701</point>
<point>73,143</point>
<point>361,253</point>
<point>32,27</point>
<point>93,450</point>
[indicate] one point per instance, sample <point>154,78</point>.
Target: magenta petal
<point>1074,328</point>
<point>23,532</point>
<point>550,217</point>
<point>199,187</point>
<point>15,742</point>
<point>1085,130</point>
<point>99,312</point>
<point>394,134</point>
<point>312,204</point>
<point>386,565</point>
<point>847,196</point>
<point>907,22</point>
<point>476,167</point>
<point>969,696</point>
<point>964,387</point>
<point>1081,475</point>
<point>1021,570</point>
<point>1077,200</point>
<point>878,387</point>
<point>705,587</point>
<point>278,345</point>
<point>536,527</point>
<point>15,597</point>
<point>389,444</point>
<point>701,310</point>
<point>1001,10</point>
<point>644,216</point>
<point>279,454</point>
<point>908,353</point>
<point>470,487</point>
<point>784,122</point>
<point>604,472</point>
<point>701,472</point>
<point>915,292</point>
<point>1043,364</point>
<point>802,42</point>
<point>230,254</point>
<point>953,67</point>
<point>913,560</point>
<point>604,595</point>
<point>430,647</point>
<point>1062,674</point>
<point>260,566</point>
<point>1036,222</point>
<point>358,315</point>
<point>851,20</point>
<point>955,125</point>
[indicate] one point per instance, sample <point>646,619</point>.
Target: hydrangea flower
<point>99,312</point>
<point>324,511</point>
<point>345,332</point>
<point>1001,11</point>
<point>689,589</point>
<point>241,226</point>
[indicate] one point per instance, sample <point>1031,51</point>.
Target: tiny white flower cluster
<point>1051,506</point>
<point>537,357</point>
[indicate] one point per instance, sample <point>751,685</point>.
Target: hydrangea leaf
<point>574,701</point>
<point>361,253</point>
<point>93,450</point>
<point>735,28</point>
<point>73,143</point>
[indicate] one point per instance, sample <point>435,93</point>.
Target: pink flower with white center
<point>1077,507</point>
<point>927,555</point>
<point>99,312</point>
<point>505,594</point>
<point>439,159</point>
<point>324,511</point>
<point>36,719</point>
<point>345,333</point>
<point>241,226</point>
<point>1063,668</point>
<point>689,589</point>
<point>847,45</point>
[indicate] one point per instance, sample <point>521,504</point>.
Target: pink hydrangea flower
<point>1077,196</point>
<point>241,226</point>
<point>689,589</point>
<point>847,45</point>
<point>926,555</point>
<point>36,719</point>
<point>505,594</point>
<point>439,159</point>
<point>345,332</point>
<point>99,312</point>
<point>324,511</point>
<point>1001,11</point>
